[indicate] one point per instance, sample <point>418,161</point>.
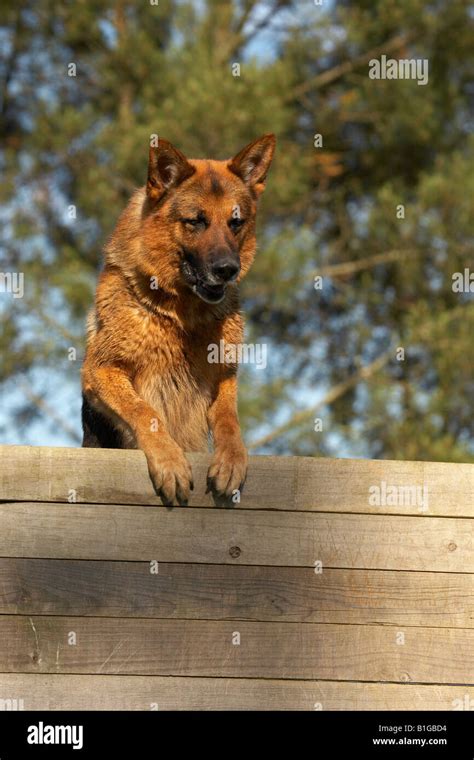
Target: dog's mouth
<point>209,293</point>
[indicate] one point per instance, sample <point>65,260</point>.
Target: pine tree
<point>365,220</point>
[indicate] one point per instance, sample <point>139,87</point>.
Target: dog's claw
<point>227,471</point>
<point>171,475</point>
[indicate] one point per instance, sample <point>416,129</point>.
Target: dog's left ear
<point>253,162</point>
<point>167,168</point>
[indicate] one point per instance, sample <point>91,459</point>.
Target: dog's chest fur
<point>166,353</point>
<point>174,376</point>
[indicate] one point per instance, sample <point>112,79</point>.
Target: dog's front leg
<point>229,465</point>
<point>110,389</point>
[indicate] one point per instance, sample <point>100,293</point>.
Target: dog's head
<point>200,217</point>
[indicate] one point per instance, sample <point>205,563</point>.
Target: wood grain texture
<point>205,648</point>
<point>236,536</point>
<point>221,592</point>
<point>76,692</point>
<point>289,483</point>
<point>387,624</point>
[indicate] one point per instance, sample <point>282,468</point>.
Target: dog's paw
<point>228,470</point>
<point>171,475</point>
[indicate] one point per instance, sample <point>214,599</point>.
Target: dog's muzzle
<point>210,283</point>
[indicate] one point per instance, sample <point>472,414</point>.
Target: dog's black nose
<point>225,269</point>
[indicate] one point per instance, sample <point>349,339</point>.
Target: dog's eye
<point>236,224</point>
<point>193,222</point>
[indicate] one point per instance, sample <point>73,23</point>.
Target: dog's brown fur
<point>146,378</point>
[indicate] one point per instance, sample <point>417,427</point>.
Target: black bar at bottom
<point>234,734</point>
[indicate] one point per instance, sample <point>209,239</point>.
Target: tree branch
<point>57,326</point>
<point>249,6</point>
<point>44,407</point>
<point>243,39</point>
<point>364,373</point>
<point>351,267</point>
<point>326,77</point>
<point>10,63</point>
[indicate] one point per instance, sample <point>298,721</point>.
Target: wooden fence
<point>333,584</point>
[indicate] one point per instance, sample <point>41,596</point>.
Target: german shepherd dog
<point>168,291</point>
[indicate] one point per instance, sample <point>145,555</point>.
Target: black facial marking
<point>216,186</point>
<point>175,209</point>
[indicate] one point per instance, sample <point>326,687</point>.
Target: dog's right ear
<point>253,162</point>
<point>167,168</point>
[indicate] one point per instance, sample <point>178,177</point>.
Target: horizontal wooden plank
<point>235,649</point>
<point>363,485</point>
<point>76,692</point>
<point>30,473</point>
<point>112,476</point>
<point>235,536</point>
<point>222,592</point>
